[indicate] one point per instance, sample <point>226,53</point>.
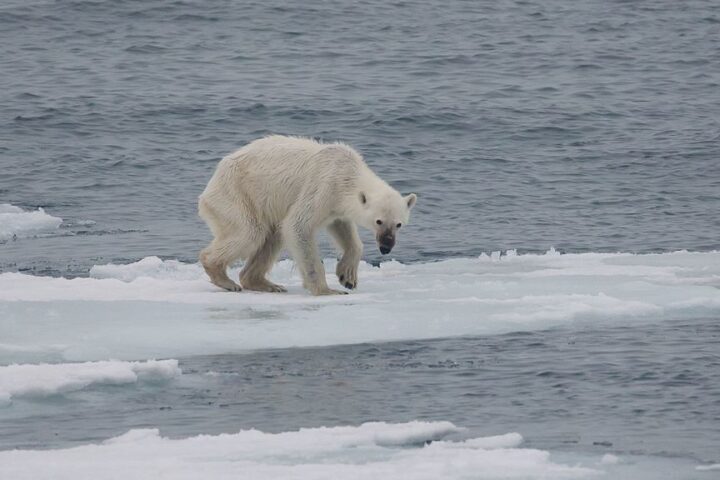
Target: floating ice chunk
<point>315,453</point>
<point>151,267</point>
<point>411,433</point>
<point>708,468</point>
<point>509,440</point>
<point>145,435</point>
<point>164,308</point>
<point>49,379</point>
<point>609,459</point>
<point>18,223</point>
<point>6,208</point>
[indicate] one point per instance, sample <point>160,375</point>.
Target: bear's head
<point>384,215</point>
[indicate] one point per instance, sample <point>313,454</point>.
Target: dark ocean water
<point>585,388</point>
<point>587,126</point>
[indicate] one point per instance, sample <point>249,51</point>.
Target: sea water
<point>538,317</point>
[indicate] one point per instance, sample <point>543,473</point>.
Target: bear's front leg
<point>346,236</point>
<point>346,272</point>
<point>300,240</point>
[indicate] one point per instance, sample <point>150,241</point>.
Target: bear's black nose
<point>386,242</point>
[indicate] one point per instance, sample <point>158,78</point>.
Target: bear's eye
<point>378,221</point>
<point>399,225</point>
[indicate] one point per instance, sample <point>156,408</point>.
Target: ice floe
<point>49,379</point>
<point>163,308</point>
<point>609,459</point>
<point>18,223</point>
<point>372,450</point>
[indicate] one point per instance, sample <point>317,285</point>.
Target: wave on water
<point>18,223</point>
<point>163,308</point>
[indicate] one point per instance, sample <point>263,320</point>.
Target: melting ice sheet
<point>377,450</point>
<point>372,450</point>
<point>164,309</point>
<point>18,223</point>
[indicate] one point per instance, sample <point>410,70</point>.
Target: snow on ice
<point>372,450</point>
<point>163,308</point>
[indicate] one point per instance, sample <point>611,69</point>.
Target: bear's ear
<point>363,198</point>
<point>410,200</point>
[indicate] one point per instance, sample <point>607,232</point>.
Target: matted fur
<point>277,192</point>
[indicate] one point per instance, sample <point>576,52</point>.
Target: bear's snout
<point>386,242</point>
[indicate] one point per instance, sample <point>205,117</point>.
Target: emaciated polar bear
<point>278,191</point>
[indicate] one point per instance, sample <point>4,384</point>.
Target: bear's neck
<point>366,183</point>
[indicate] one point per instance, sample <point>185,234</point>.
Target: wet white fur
<point>277,192</point>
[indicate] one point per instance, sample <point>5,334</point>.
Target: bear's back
<point>279,156</point>
<point>272,172</point>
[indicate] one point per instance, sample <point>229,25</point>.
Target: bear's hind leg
<point>215,259</point>
<point>252,276</point>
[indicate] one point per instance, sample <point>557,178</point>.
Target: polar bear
<point>277,192</point>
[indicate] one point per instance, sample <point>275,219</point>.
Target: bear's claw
<point>229,285</point>
<point>347,274</point>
